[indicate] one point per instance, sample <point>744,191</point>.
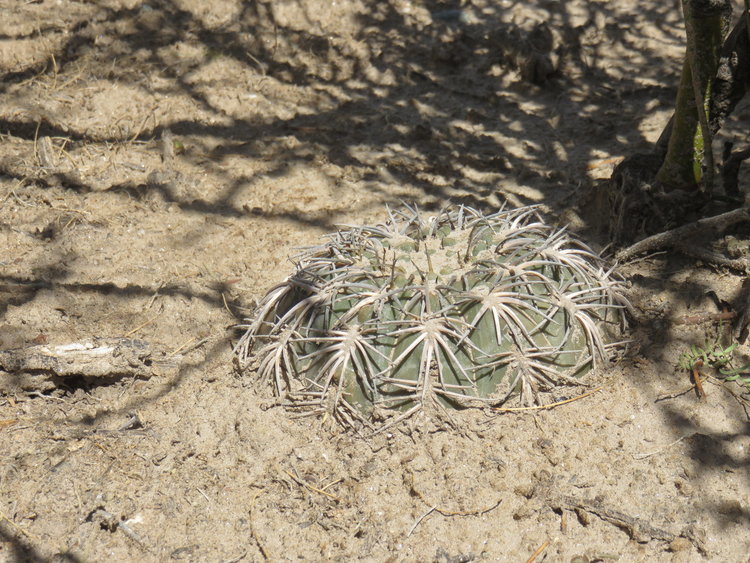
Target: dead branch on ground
<point>677,237</point>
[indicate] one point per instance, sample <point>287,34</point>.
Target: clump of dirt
<point>160,164</point>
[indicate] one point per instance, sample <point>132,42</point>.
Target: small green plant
<point>718,357</point>
<point>457,309</point>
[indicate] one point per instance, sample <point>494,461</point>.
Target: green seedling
<point>718,357</point>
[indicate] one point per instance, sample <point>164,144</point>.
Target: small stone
<point>684,487</point>
<point>527,490</point>
<point>679,544</point>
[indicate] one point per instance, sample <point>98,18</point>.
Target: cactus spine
<point>457,309</point>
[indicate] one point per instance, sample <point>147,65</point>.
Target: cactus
<point>458,309</point>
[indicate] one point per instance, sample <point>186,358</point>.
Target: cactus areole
<point>456,309</point>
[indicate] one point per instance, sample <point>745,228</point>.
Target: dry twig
<point>445,512</point>
<point>549,406</point>
<point>676,237</point>
<point>538,552</point>
<point>4,518</point>
<point>322,491</point>
<point>714,258</point>
<point>697,379</point>
<point>144,323</point>
<point>660,450</point>
<point>8,422</point>
<point>705,317</point>
<point>637,528</point>
<point>739,398</point>
<point>253,532</point>
<point>673,395</point>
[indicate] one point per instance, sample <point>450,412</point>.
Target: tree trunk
<point>689,148</point>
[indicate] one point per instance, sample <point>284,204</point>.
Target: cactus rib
<point>460,308</point>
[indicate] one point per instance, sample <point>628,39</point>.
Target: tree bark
<point>689,146</point>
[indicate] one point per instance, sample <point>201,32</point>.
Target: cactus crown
<point>460,308</point>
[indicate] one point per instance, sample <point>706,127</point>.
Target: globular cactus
<point>458,309</point>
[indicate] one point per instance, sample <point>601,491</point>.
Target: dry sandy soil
<point>161,161</point>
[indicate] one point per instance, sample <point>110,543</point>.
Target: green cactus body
<point>461,308</point>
